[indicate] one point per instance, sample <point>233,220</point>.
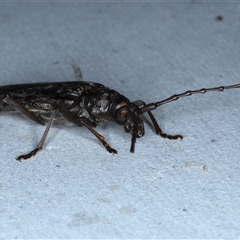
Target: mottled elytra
<point>85,104</point>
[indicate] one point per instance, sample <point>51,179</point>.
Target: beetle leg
<point>81,121</point>
<point>98,136</point>
<point>42,141</point>
<point>77,72</point>
<point>23,111</point>
<point>158,130</point>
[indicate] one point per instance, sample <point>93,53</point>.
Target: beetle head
<point>130,116</point>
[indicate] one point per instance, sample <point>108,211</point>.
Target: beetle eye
<point>121,115</point>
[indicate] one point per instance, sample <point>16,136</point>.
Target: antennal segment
<point>152,106</point>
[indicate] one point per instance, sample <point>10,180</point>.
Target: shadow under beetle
<point>85,104</point>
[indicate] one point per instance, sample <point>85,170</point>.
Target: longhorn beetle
<point>85,104</point>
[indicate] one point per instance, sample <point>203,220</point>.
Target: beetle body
<point>78,102</point>
<point>85,104</point>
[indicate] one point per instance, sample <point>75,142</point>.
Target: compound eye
<point>121,115</point>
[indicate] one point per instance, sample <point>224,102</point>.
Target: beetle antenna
<point>152,106</point>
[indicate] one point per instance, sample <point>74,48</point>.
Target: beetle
<point>85,104</point>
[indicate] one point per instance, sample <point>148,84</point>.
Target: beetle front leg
<point>158,130</point>
<point>81,121</point>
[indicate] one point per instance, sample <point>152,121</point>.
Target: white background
<point>149,51</point>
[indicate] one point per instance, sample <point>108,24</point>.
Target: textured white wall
<point>149,51</point>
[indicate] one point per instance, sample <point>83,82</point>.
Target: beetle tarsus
<point>29,155</point>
